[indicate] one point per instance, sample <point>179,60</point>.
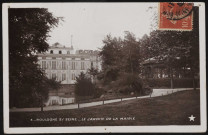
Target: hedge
<point>166,82</point>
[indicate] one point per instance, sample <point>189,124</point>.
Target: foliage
<point>111,51</point>
<point>121,63</point>
<point>165,82</point>
<point>127,83</point>
<point>111,74</point>
<point>120,55</point>
<point>84,86</point>
<point>131,53</point>
<point>28,32</point>
<point>98,92</point>
<point>178,50</point>
<point>92,71</point>
<point>111,55</point>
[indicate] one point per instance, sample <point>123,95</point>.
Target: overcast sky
<point>89,23</point>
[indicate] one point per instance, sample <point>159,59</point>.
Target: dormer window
<point>60,52</point>
<point>51,52</point>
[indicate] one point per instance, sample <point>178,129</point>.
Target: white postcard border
<point>104,129</point>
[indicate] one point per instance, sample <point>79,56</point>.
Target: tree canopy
<point>28,32</point>
<point>120,55</point>
<point>176,49</point>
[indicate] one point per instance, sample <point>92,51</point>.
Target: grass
<point>109,97</point>
<point>173,109</point>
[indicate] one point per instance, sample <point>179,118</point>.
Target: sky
<point>89,23</point>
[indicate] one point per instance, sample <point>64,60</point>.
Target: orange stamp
<point>175,16</point>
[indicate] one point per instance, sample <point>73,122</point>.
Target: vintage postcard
<point>104,67</point>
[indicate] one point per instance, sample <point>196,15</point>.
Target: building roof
<point>87,52</point>
<point>59,46</point>
<point>64,55</point>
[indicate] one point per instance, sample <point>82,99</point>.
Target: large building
<point>65,64</point>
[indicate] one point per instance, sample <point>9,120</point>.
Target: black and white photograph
<point>104,67</point>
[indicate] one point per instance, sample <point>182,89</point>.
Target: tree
<point>28,32</point>
<point>178,50</point>
<point>111,54</point>
<point>84,86</point>
<point>120,55</point>
<point>93,72</point>
<point>111,51</point>
<point>144,47</point>
<point>131,53</point>
<point>122,63</point>
<point>128,83</point>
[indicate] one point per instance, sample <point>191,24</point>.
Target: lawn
<point>173,109</point>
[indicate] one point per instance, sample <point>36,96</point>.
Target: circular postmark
<point>177,11</point>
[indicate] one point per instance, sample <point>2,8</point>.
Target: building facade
<point>65,64</point>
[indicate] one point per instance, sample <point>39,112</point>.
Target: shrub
<point>166,82</point>
<point>98,92</point>
<point>84,86</point>
<point>128,83</point>
<point>111,74</point>
<point>151,82</point>
<point>185,83</point>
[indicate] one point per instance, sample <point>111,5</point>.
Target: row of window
<point>63,65</point>
<point>63,77</point>
<point>60,52</point>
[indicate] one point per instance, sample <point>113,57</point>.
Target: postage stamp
<point>175,16</point>
<point>100,68</point>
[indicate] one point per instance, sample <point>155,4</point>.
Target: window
<point>53,64</point>
<point>73,65</point>
<point>53,76</point>
<point>68,52</point>
<point>43,64</point>
<point>60,52</point>
<point>63,65</point>
<point>82,65</point>
<point>63,77</point>
<point>51,52</point>
<point>73,76</point>
<point>49,64</point>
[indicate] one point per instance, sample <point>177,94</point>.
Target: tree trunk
<point>171,80</point>
<point>193,73</point>
<point>41,100</point>
<point>194,86</point>
<point>194,82</point>
<point>132,70</point>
